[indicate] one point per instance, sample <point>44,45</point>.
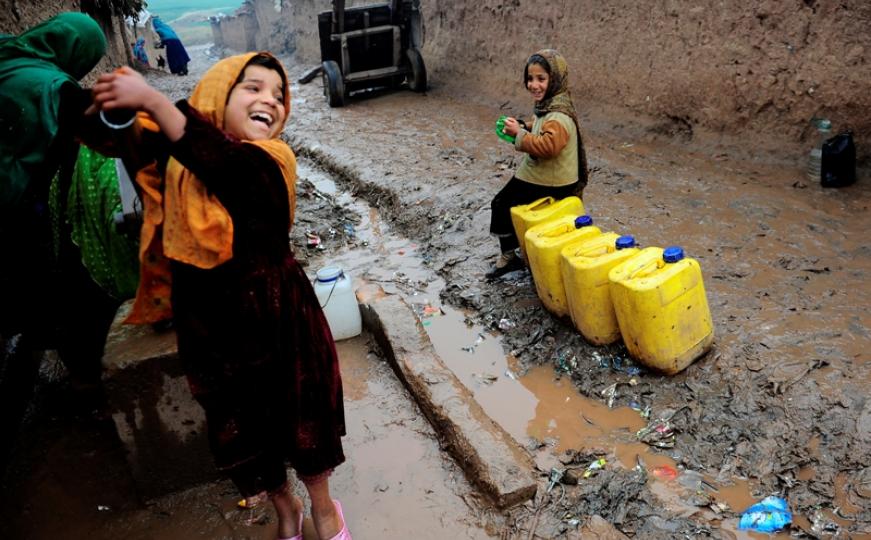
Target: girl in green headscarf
<point>39,94</point>
<point>555,164</point>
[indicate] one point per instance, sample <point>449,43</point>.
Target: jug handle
<point>332,289</point>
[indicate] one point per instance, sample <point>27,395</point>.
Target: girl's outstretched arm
<point>124,88</point>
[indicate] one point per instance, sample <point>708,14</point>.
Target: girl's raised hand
<point>512,126</point>
<point>124,88</point>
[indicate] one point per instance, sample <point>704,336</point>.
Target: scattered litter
<point>720,507</point>
<point>700,498</point>
<point>665,472</point>
<point>643,411</point>
<point>571,521</point>
<point>693,480</point>
<point>617,362</point>
<point>349,230</point>
<point>510,374</point>
<point>313,240</point>
<point>640,467</point>
<point>769,515</point>
<point>555,476</point>
<point>425,312</point>
<point>486,378</point>
<point>657,433</point>
<point>594,466</point>
<point>506,324</point>
<point>823,526</point>
<point>566,361</point>
<point>610,394</point>
<point>471,348</point>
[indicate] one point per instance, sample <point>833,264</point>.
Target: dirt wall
<point>767,66</point>
<point>281,26</point>
<point>19,15</point>
<point>759,71</point>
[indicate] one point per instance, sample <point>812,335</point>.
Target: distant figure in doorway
<point>139,54</point>
<point>176,54</point>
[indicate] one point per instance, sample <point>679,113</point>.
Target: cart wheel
<point>334,85</point>
<point>417,81</point>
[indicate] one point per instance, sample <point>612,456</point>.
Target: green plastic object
<point>500,125</point>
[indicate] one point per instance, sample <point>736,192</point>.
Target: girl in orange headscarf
<point>255,345</point>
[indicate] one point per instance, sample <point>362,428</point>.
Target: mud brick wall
<point>761,69</point>
<point>767,66</point>
<point>19,15</point>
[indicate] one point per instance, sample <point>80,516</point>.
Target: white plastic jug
<point>337,299</point>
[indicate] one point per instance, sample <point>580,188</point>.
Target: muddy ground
<point>781,402</point>
<point>780,405</point>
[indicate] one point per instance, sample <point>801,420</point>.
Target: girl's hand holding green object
<point>506,128</point>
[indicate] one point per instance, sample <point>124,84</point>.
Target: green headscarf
<point>558,99</point>
<point>33,68</point>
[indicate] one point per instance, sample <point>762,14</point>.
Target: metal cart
<point>376,45</point>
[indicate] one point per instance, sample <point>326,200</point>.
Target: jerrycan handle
<point>645,267</point>
<point>542,203</point>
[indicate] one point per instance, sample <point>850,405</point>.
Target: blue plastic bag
<point>768,515</point>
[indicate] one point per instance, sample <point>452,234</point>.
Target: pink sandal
<point>343,534</point>
<point>299,536</point>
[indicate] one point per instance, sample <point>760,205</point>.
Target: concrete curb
<point>491,459</point>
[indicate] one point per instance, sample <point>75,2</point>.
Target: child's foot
<point>507,262</point>
<point>330,525</point>
<point>291,529</point>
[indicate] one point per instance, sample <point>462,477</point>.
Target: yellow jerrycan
<point>585,266</point>
<point>525,216</point>
<point>661,307</point>
<point>543,245</point>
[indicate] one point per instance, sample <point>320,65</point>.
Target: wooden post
<point>338,16</point>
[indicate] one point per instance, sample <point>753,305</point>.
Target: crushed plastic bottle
<point>768,515</point>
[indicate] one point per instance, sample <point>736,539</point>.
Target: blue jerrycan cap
<point>672,254</point>
<point>583,221</point>
<point>329,273</point>
<point>625,242</point>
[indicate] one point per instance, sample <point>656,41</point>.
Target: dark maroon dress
<point>253,339</point>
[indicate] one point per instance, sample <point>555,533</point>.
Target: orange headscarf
<point>181,219</point>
